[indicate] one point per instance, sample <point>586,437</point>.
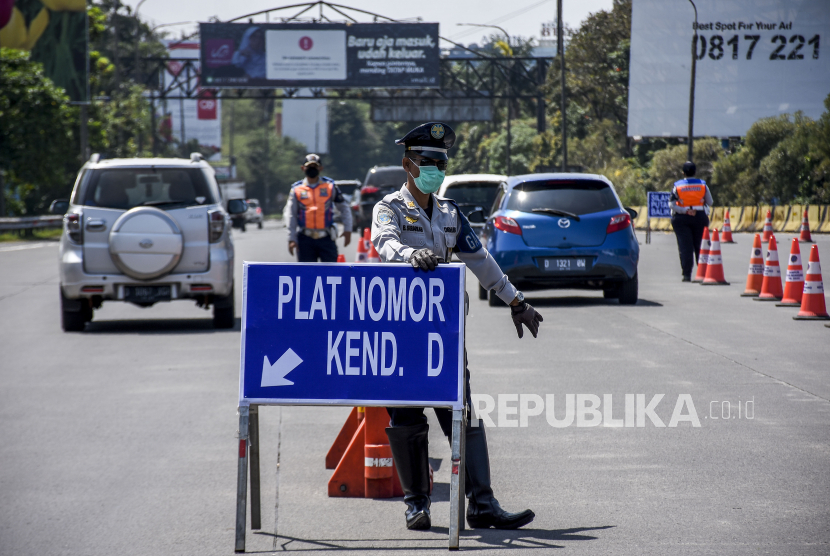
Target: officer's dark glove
<point>524,313</point>
<point>424,259</point>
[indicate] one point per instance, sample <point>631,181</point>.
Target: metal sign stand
<point>249,453</point>
<point>648,230</point>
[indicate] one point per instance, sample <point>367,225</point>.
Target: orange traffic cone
<point>794,285</point>
<point>703,258</point>
<point>362,252</point>
<point>771,289</point>
<point>767,228</point>
<point>341,258</point>
<point>805,236</point>
<point>365,467</point>
<point>714,265</point>
<point>755,276</point>
<point>726,235</point>
<point>373,257</point>
<point>812,300</point>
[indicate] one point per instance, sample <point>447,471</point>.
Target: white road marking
<point>30,246</point>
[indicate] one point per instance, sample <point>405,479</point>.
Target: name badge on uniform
<point>303,194</point>
<point>324,192</point>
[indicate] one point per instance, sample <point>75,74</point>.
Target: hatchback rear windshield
<point>576,196</point>
<point>386,176</point>
<point>473,194</point>
<point>125,188</point>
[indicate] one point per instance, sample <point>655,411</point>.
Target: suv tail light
<point>369,189</point>
<point>508,225</point>
<point>216,223</point>
<point>619,222</point>
<point>72,222</point>
<point>259,210</point>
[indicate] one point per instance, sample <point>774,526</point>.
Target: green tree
<point>37,145</point>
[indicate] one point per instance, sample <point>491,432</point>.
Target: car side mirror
<point>237,206</point>
<point>59,206</point>
<point>632,212</point>
<point>476,216</point>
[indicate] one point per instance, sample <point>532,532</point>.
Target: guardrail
<point>785,218</point>
<point>14,223</point>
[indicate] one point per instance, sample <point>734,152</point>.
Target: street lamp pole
<point>137,63</point>
<point>509,88</point>
<point>689,155</point>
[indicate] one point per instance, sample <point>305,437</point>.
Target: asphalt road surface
<point>122,439</point>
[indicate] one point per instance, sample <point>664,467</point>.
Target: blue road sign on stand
<point>658,204</point>
<point>363,334</point>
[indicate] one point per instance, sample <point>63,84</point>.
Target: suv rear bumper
<point>74,279</point>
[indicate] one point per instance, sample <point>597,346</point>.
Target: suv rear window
<point>386,176</point>
<point>575,196</point>
<point>125,188</point>
<point>473,194</point>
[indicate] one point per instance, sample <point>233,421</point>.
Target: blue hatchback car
<point>563,231</point>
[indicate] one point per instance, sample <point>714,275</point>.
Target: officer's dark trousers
<point>689,233</point>
<point>309,250</point>
<point>408,416</point>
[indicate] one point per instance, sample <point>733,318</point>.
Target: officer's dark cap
<point>430,140</point>
<point>689,168</point>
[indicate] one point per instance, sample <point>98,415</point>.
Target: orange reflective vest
<point>315,205</point>
<point>691,192</point>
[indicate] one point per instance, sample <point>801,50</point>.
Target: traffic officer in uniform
<point>689,199</point>
<point>414,225</point>
<point>309,212</point>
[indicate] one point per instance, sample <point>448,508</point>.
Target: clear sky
<point>521,17</point>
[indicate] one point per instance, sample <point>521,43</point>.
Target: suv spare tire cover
<point>145,243</point>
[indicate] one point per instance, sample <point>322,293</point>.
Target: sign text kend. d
<point>248,55</point>
<point>369,335</point>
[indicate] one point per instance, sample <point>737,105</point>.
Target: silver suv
<point>146,230</point>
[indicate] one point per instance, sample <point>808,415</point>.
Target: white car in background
<point>144,231</point>
<point>474,194</point>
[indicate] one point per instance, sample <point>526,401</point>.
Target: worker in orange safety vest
<point>690,198</point>
<point>309,215</point>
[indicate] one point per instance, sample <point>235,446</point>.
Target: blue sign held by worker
<point>658,204</point>
<point>363,334</point>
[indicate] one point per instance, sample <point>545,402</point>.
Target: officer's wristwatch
<point>521,301</point>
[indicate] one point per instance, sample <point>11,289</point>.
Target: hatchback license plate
<point>146,294</point>
<point>565,264</point>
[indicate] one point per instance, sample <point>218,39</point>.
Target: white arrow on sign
<point>274,375</point>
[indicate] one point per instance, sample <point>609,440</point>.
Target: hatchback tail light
<point>72,222</point>
<point>508,225</point>
<point>259,210</point>
<point>369,189</point>
<point>216,223</point>
<point>619,222</point>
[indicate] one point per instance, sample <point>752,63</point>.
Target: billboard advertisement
<point>55,32</point>
<point>197,118</point>
<point>242,55</point>
<point>755,58</point>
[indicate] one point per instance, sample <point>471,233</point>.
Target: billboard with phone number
<point>250,55</point>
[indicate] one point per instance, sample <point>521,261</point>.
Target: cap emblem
<point>437,131</point>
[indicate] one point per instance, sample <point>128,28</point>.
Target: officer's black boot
<point>483,510</point>
<point>410,448</point>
